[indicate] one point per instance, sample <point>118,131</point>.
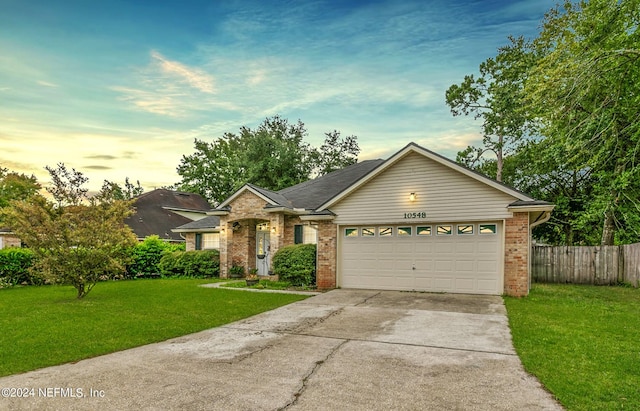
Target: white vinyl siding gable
<point>443,193</point>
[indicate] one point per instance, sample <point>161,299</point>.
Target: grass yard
<point>44,326</point>
<point>582,342</point>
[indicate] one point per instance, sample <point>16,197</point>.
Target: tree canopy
<point>585,92</point>
<point>16,186</point>
<point>273,156</point>
<point>575,90</point>
<point>76,239</point>
<point>495,97</point>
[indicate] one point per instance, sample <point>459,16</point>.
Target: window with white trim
<point>487,229</point>
<point>465,229</point>
<point>404,231</point>
<point>444,230</point>
<point>368,232</point>
<point>210,241</point>
<point>385,231</point>
<point>423,230</point>
<point>350,232</point>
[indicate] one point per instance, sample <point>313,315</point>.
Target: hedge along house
<point>416,221</point>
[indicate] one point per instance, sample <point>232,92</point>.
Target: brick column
<point>226,241</point>
<point>516,255</point>
<point>327,255</point>
<point>276,238</point>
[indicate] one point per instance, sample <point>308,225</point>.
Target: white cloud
<point>196,78</point>
<point>46,83</point>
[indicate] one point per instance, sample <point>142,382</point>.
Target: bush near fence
<point>600,265</point>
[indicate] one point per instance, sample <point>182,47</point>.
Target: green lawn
<point>582,342</point>
<point>44,326</point>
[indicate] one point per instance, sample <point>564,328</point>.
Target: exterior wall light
<point>412,197</point>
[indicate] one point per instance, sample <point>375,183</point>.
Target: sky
<point>120,89</point>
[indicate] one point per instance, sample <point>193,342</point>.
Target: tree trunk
<point>80,288</point>
<point>608,229</point>
<point>499,162</point>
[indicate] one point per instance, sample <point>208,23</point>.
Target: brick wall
<point>238,246</point>
<point>190,241</point>
<point>327,255</point>
<point>516,255</point>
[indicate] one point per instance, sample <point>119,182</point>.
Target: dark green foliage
<point>296,264</point>
<point>194,264</point>
<point>15,267</point>
<point>274,156</point>
<point>147,254</point>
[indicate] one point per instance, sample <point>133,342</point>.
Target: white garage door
<point>455,257</point>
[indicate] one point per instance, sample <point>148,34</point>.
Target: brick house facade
<point>416,221</point>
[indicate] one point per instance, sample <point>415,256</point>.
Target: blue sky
<point>122,88</point>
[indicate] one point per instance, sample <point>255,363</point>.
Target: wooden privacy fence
<point>603,265</point>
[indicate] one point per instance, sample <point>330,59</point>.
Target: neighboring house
<point>201,234</point>
<point>416,221</point>
<point>8,239</point>
<point>159,211</point>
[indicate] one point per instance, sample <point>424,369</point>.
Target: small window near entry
<point>444,230</point>
<point>423,230</point>
<point>368,232</point>
<point>309,234</point>
<point>385,231</point>
<point>465,229</point>
<point>487,229</point>
<point>404,231</point>
<point>350,232</point>
<point>210,241</point>
<point>297,234</point>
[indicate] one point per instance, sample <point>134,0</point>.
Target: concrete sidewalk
<point>346,349</point>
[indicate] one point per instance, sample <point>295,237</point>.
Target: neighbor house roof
<point>161,210</point>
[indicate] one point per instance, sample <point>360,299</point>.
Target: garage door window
<point>444,230</point>
<point>423,231</point>
<point>404,231</point>
<point>487,229</point>
<point>385,231</point>
<point>465,229</point>
<point>350,232</point>
<point>368,232</point>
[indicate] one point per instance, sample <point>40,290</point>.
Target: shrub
<point>195,264</point>
<point>16,267</point>
<point>147,254</point>
<point>296,264</point>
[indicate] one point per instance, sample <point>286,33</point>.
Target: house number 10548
<point>415,215</point>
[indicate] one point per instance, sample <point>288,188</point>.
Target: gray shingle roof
<point>208,222</point>
<point>313,193</point>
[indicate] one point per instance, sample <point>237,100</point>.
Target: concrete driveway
<point>345,349</point>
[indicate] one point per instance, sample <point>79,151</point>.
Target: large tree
<point>16,186</point>
<point>495,97</point>
<point>272,156</point>
<point>76,239</point>
<point>585,91</point>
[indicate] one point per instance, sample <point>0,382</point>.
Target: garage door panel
<point>487,286</point>
<point>465,285</point>
<point>465,266</point>
<point>485,266</point>
<point>463,263</point>
<point>443,284</point>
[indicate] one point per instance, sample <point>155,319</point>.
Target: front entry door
<point>262,252</point>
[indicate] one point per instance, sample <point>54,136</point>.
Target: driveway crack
<point>313,371</point>
<point>366,300</point>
